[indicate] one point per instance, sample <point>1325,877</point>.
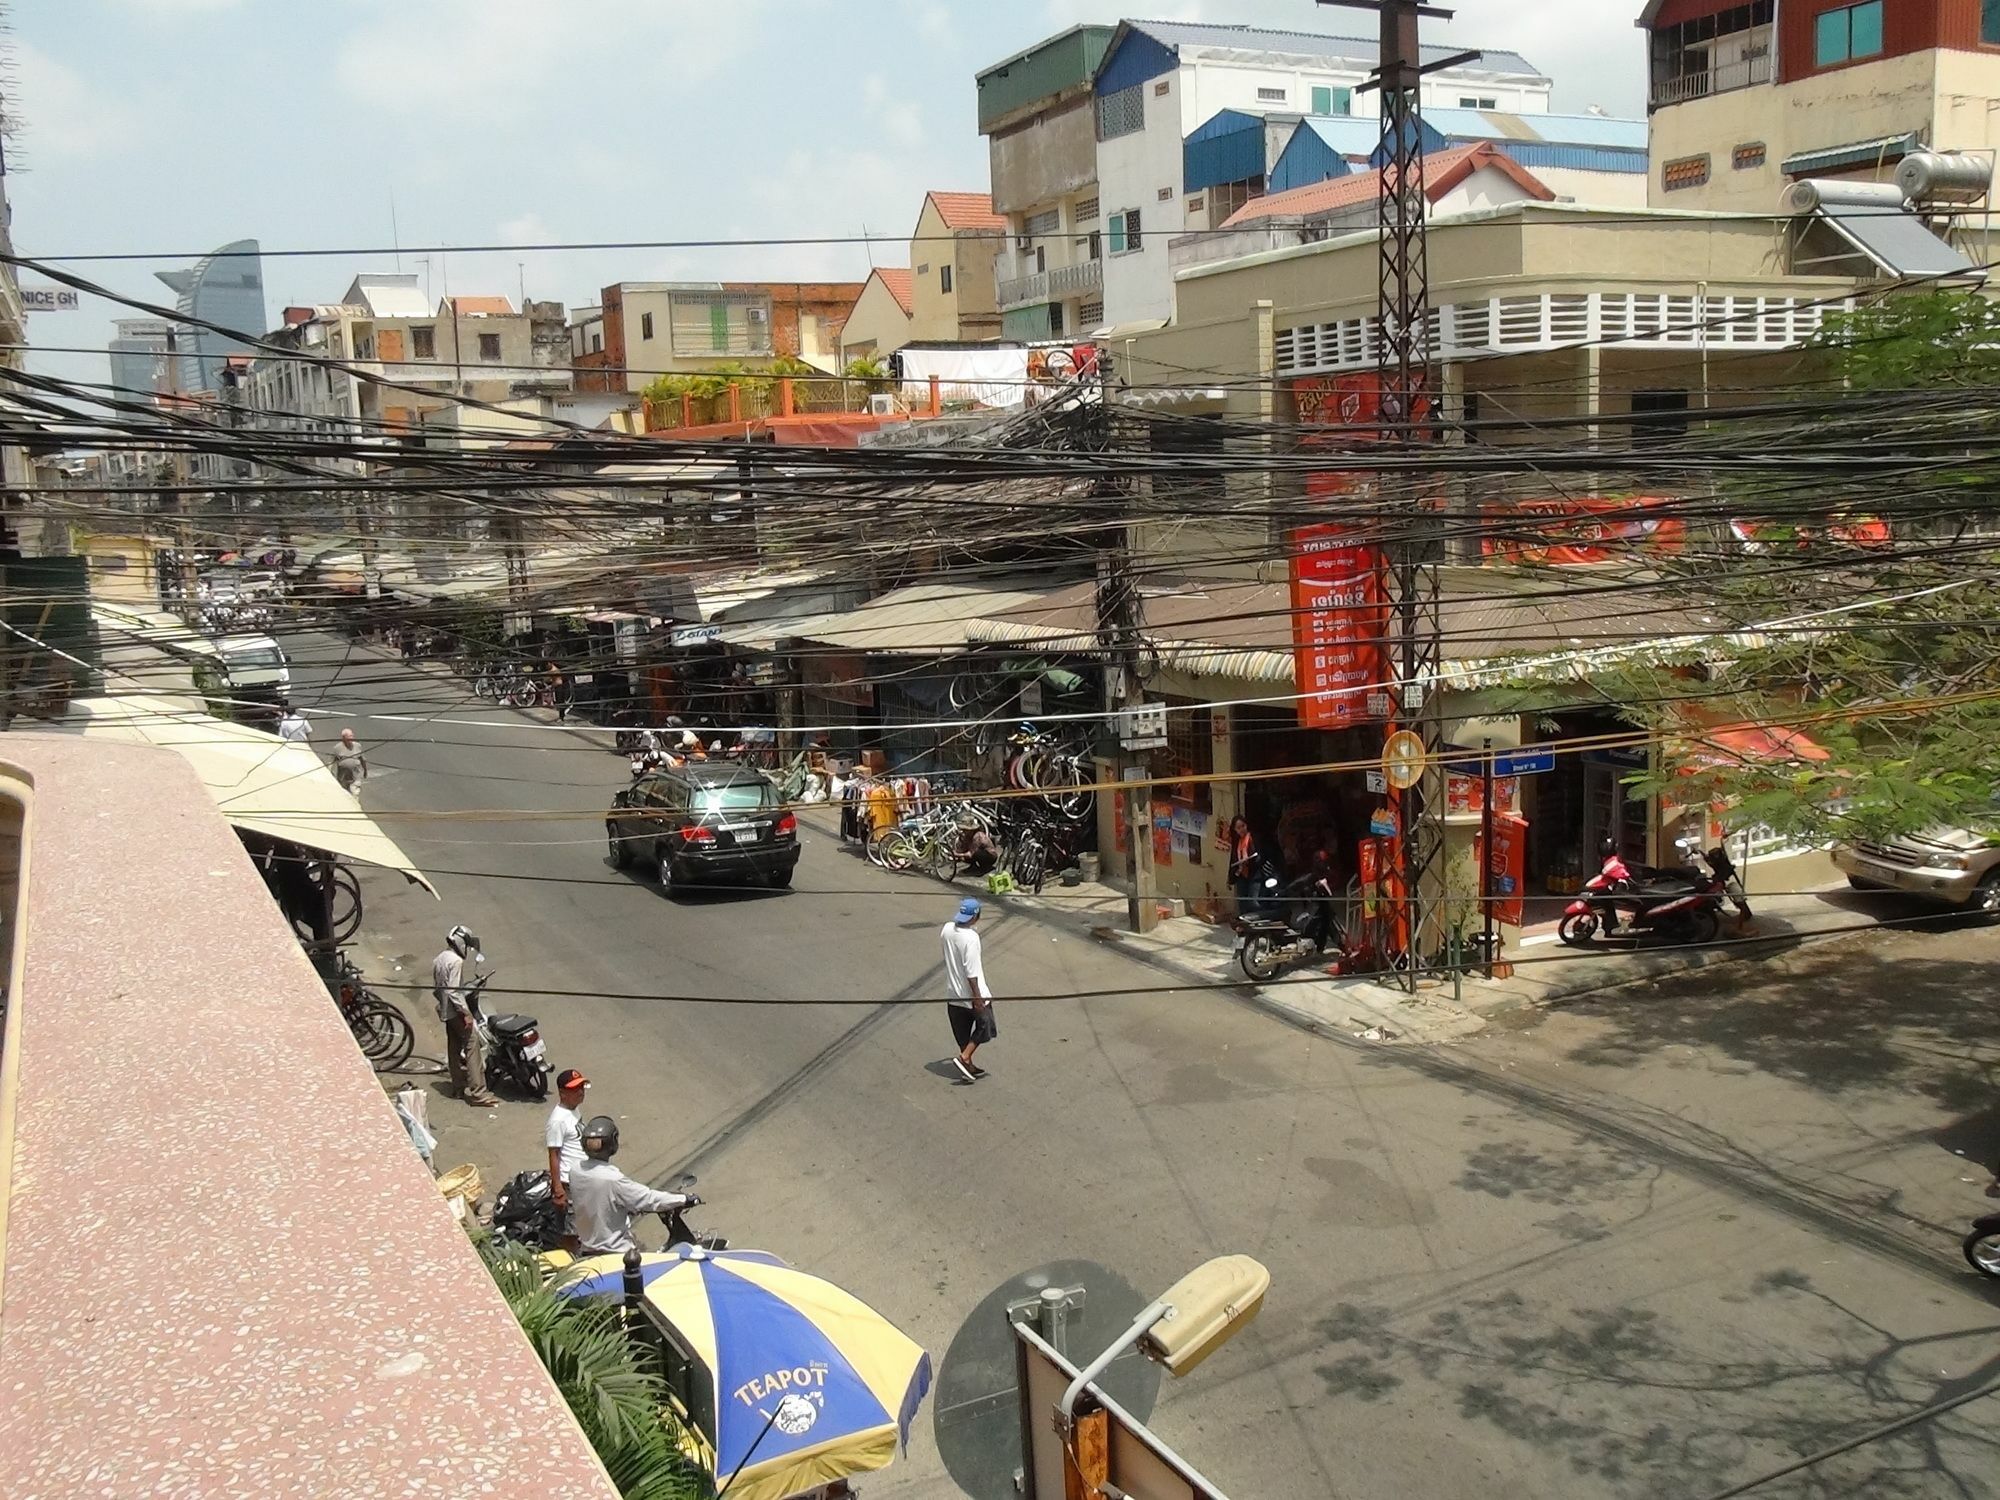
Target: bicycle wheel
<point>1031,866</point>
<point>345,899</point>
<point>941,855</point>
<point>892,849</point>
<point>396,1038</point>
<point>373,1032</point>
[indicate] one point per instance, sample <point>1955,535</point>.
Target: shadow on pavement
<point>1627,1396</point>
<point>1854,1018</point>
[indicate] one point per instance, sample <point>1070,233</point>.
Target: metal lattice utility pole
<point>1404,351</point>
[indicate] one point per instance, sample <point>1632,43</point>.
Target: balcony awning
<point>1885,148</point>
<point>260,783</point>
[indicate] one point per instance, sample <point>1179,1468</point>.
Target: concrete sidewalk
<point>1191,952</point>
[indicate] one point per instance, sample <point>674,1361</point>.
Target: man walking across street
<point>292,726</point>
<point>350,766</point>
<point>461,1034</point>
<point>971,1002</point>
<point>565,1133</point>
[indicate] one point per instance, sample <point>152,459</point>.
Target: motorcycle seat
<point>510,1024</point>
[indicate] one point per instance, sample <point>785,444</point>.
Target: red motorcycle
<point>1629,904</point>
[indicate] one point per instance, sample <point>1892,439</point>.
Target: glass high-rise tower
<point>225,287</point>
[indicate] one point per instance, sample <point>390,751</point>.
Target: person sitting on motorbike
<point>603,1201</point>
<point>1315,891</point>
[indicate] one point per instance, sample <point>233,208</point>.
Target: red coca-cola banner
<point>1338,614</point>
<point>1350,401</point>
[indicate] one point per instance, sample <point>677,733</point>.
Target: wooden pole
<point>1087,1459</point>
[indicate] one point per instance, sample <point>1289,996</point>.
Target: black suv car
<point>705,821</point>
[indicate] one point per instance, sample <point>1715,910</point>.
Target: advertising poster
<point>1338,614</point>
<point>1163,833</point>
<point>1506,867</point>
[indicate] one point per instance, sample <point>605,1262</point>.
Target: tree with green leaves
<point>1852,688</point>
<point>618,1398</point>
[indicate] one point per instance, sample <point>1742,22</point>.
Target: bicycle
<point>343,890</point>
<point>380,1029</point>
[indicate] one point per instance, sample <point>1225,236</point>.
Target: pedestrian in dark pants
<point>1245,864</point>
<point>971,1002</point>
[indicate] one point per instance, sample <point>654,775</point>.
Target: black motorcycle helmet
<point>600,1138</point>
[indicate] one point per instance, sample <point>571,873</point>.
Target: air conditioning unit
<point>881,404</point>
<point>757,314</point>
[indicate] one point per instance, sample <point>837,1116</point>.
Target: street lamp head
<point>1205,1308</point>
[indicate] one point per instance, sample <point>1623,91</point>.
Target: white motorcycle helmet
<point>464,942</point>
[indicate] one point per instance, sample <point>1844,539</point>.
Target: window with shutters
<point>703,323</point>
<point>645,325</point>
<point>1048,221</point>
<point>1270,96</point>
<point>423,343</point>
<point>1121,113</point>
<point>489,347</point>
<point>1124,232</point>
<point>944,278</point>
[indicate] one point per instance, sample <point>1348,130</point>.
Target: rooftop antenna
<point>395,235</point>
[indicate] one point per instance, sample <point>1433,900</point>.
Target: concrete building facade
<point>1745,98</point>
<point>951,268</point>
<point>1036,114</point>
<point>641,330</point>
<point>879,322</point>
<point>138,356</point>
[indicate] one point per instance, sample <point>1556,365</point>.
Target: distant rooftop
<point>1359,50</point>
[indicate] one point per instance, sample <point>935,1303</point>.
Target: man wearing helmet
<point>461,1036</point>
<point>603,1201</point>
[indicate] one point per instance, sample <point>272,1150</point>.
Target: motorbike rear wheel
<point>1704,926</point>
<point>1982,1252</point>
<point>1257,959</point>
<point>1578,929</point>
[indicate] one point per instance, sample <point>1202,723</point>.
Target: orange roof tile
<point>901,284</point>
<point>475,306</point>
<point>967,210</point>
<point>1443,171</point>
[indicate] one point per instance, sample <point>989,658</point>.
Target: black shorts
<point>964,1022</point>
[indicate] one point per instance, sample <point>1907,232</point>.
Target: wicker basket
<point>460,1187</point>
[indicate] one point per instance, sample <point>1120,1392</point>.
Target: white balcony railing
<point>1720,79</point>
<point>1083,279</point>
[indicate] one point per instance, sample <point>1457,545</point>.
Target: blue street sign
<point>1532,761</point>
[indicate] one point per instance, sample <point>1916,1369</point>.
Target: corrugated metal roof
<point>1568,130</point>
<point>1363,53</point>
<point>926,619</point>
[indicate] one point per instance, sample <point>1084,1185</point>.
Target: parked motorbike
<point>1680,905</point>
<point>1267,943</point>
<point>1982,1246</point>
<point>516,1057</point>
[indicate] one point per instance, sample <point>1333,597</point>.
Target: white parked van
<point>254,661</point>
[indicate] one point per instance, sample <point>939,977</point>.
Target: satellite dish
<point>975,1408</point>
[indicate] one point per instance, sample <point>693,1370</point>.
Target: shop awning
<point>260,783</point>
<point>926,619</point>
<point>1741,742</point>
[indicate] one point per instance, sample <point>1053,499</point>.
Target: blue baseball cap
<point>968,910</point>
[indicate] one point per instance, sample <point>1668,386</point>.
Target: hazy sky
<point>176,125</point>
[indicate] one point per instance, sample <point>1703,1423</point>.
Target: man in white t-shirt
<point>565,1133</point>
<point>293,728</point>
<point>970,1005</point>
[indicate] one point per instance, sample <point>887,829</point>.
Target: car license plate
<point>585,677</point>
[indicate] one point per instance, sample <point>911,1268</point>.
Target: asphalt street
<point>1647,1247</point>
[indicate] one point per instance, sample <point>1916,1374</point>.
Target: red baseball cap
<point>570,1078</point>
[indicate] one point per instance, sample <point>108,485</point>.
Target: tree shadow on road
<point>1626,1396</point>
<point>1849,1017</point>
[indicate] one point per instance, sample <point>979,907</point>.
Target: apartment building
<point>1036,112</point>
<point>481,347</point>
<point>1159,82</point>
<point>641,330</point>
<point>1748,96</point>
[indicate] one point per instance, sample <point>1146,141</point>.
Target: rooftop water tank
<point>1944,177</point>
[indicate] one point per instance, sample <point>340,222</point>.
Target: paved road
<point>1647,1248</point>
